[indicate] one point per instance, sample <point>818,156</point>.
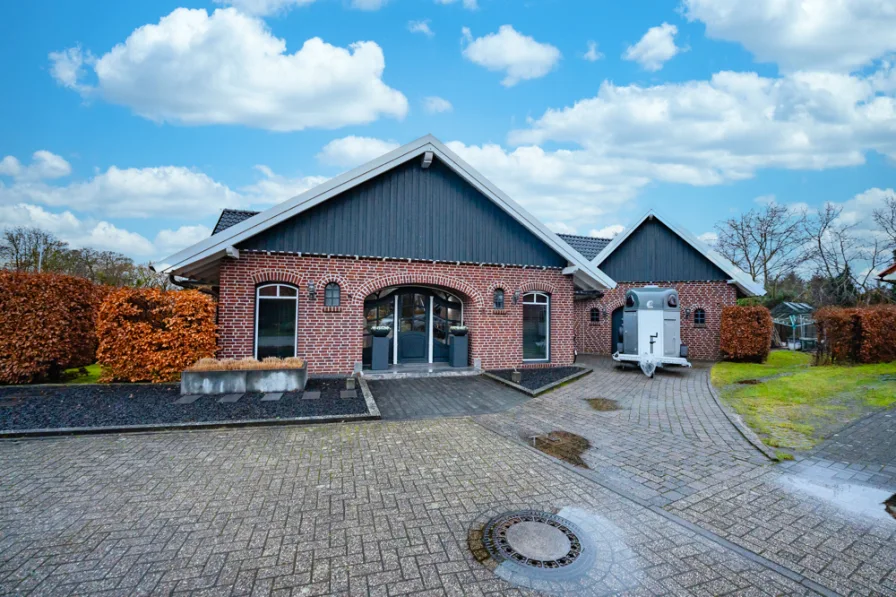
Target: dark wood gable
<point>654,253</point>
<point>410,212</point>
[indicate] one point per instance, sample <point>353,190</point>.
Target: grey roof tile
<point>587,246</point>
<point>232,217</point>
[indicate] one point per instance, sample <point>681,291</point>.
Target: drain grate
<point>533,539</point>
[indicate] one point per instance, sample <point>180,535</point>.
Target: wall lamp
<point>516,297</point>
<point>312,291</point>
<point>687,313</point>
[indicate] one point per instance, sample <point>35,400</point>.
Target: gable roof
<point>587,246</point>
<point>232,217</point>
<point>889,274</point>
<point>739,278</point>
<point>203,257</point>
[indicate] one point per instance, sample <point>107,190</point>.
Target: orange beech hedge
<point>153,335</point>
<point>47,325</point>
<point>746,334</point>
<point>859,334</point>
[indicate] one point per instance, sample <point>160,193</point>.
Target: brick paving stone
<point>442,396</point>
<point>368,509</point>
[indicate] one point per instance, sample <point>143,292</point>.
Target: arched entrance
<point>420,318</point>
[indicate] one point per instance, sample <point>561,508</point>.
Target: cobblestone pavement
<point>442,397</point>
<point>381,508</point>
<point>669,445</point>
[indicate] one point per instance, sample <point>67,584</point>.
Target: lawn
<point>792,404</point>
<point>73,376</point>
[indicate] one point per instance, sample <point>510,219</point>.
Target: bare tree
<point>885,217</point>
<point>767,243</point>
<point>31,249</point>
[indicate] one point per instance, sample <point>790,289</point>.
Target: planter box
<point>380,353</point>
<point>239,382</point>
<point>458,351</point>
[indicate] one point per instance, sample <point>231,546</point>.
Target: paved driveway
<point>425,398</point>
<point>384,508</point>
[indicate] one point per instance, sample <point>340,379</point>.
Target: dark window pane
<point>332,295</point>
<point>595,315</point>
<point>535,332</point>
<point>700,317</point>
<point>276,328</point>
<point>499,299</point>
<point>288,291</point>
<point>267,291</point>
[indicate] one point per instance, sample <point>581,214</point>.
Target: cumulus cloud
<point>655,48</point>
<point>468,4</point>
<point>170,241</point>
<point>273,188</point>
<point>421,27</point>
<point>368,4</point>
<point>709,238</point>
<point>839,35</point>
<point>592,55</point>
<point>227,68</point>
<point>519,56</point>
<point>607,231</point>
<point>437,105</point>
<point>353,151</point>
<point>44,165</point>
<point>726,128</point>
<point>264,7</point>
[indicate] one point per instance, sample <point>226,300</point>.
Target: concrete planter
<point>458,350</point>
<point>238,382</point>
<point>380,353</point>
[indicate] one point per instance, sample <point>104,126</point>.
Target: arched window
<point>699,317</point>
<point>332,295</point>
<point>499,298</point>
<point>595,315</point>
<point>536,327</point>
<point>276,319</point>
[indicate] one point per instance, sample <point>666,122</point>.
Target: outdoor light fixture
<point>687,313</point>
<point>312,291</point>
<point>516,297</point>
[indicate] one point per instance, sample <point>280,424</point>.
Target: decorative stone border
<point>584,371</point>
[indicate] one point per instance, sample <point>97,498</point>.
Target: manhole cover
<point>533,539</point>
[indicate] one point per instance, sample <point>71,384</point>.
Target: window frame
<point>702,314</point>
<point>338,288</point>
<point>277,297</point>
<point>594,315</point>
<point>546,303</point>
<point>499,292</point>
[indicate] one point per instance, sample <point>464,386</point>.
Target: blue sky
<point>129,125</point>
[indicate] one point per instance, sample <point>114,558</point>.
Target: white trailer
<point>650,336</point>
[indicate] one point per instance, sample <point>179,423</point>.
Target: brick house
<point>415,240</point>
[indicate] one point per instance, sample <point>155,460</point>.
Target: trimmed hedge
<point>152,335</point>
<point>47,325</point>
<point>746,334</point>
<point>859,334</point>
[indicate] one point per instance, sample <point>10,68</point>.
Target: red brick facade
<point>330,338</point>
<point>702,341</point>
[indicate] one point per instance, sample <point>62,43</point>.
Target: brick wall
<point>330,339</point>
<point>703,342</point>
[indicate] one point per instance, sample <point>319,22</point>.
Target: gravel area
<point>54,407</point>
<point>534,379</point>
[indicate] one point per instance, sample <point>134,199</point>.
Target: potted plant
<point>458,349</point>
<point>379,357</point>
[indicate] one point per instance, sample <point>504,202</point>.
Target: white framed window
<point>332,295</point>
<point>276,320</point>
<point>536,326</point>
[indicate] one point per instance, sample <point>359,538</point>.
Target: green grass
<point>795,405</point>
<point>779,361</point>
<point>93,375</point>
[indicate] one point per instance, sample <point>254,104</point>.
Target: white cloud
<point>724,129</point>
<point>170,241</point>
<point>839,35</point>
<point>607,231</point>
<point>274,188</point>
<point>368,4</point>
<point>67,67</point>
<point>468,4</point>
<point>561,227</point>
<point>44,165</point>
<point>655,48</point>
<point>78,233</point>
<point>421,27</point>
<point>519,56</point>
<point>227,68</point>
<point>592,55</point>
<point>353,151</point>
<point>264,7</point>
<point>437,105</point>
<point>709,238</point>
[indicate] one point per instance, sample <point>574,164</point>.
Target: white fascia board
<point>232,236</point>
<point>739,277</point>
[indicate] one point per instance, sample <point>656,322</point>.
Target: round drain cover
<point>533,539</point>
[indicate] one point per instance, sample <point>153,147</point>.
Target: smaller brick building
<point>418,242</point>
<point>654,250</point>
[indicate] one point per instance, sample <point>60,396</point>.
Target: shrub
<point>47,324</point>
<point>152,335</point>
<point>746,334</point>
<point>861,335</point>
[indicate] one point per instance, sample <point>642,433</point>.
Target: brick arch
<point>272,275</point>
<point>537,286</point>
<point>504,285</point>
<point>428,279</point>
<point>345,288</point>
